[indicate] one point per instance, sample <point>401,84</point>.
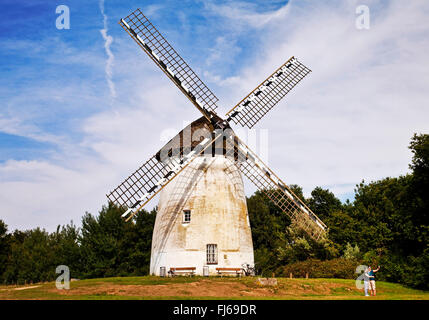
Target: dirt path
<point>20,288</point>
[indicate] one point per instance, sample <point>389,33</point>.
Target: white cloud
<point>353,116</point>
<point>39,193</point>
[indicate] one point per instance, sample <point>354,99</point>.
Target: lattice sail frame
<point>261,100</point>
<point>148,180</point>
<point>276,190</point>
<point>169,61</point>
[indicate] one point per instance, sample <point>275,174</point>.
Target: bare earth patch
<point>197,288</point>
<point>204,288</point>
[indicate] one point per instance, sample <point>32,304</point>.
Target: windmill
<point>202,215</point>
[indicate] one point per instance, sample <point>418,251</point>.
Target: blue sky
<point>66,140</point>
<point>56,77</point>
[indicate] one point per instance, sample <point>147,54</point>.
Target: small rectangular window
<point>212,254</point>
<point>186,216</point>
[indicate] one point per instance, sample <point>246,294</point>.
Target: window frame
<point>185,213</point>
<point>212,253</point>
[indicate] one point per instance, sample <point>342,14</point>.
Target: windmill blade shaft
<point>276,190</point>
<point>261,100</point>
<point>147,181</point>
<point>169,61</point>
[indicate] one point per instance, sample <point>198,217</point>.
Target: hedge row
<point>335,268</point>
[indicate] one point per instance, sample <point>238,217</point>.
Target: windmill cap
<point>192,135</point>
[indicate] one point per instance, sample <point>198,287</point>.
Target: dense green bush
<point>336,268</point>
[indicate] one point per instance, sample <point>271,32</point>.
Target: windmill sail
<point>276,190</point>
<point>261,100</point>
<point>170,62</point>
<point>148,180</point>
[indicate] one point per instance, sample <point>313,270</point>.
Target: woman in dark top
<point>371,275</point>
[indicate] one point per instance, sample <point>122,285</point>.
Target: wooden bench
<point>182,270</point>
<point>236,271</point>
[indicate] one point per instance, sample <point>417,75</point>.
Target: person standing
<point>371,275</point>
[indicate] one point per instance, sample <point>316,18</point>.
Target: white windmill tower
<point>202,223</point>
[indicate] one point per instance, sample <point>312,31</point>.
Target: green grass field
<point>209,288</point>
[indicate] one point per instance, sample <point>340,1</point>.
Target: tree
<point>65,244</point>
<point>110,246</point>
<point>4,248</point>
<point>101,242</point>
<point>276,240</point>
<point>419,146</point>
<point>343,227</point>
<point>323,202</point>
<point>31,258</point>
<point>140,255</point>
<point>269,231</point>
<point>297,190</point>
<point>420,187</point>
<point>352,252</point>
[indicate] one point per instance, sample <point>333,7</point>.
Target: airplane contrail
<point>110,57</point>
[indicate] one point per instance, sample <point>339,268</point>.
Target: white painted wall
<point>212,188</point>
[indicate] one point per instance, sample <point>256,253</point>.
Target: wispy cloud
<point>153,9</point>
<point>110,57</point>
<point>15,126</point>
<point>224,50</point>
<point>245,15</point>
